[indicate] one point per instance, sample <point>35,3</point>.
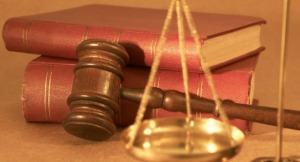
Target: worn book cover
<point>48,82</point>
<point>226,38</point>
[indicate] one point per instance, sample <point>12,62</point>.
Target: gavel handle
<point>174,101</point>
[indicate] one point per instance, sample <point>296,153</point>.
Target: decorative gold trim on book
<point>25,35</point>
<point>199,91</point>
<point>117,37</point>
<point>47,94</point>
<point>154,43</point>
<point>86,32</point>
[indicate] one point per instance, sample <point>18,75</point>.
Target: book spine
<point>231,85</point>
<point>61,40</point>
<point>46,86</point>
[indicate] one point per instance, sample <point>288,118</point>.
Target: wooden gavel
<point>97,90</point>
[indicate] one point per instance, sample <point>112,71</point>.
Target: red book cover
<point>48,82</point>
<point>227,38</point>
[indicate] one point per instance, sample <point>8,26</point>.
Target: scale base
<point>272,159</point>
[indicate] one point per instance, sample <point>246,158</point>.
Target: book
<point>226,38</point>
<point>48,82</point>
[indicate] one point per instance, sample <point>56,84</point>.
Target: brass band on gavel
<point>96,90</point>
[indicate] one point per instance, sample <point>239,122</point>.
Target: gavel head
<point>94,99</point>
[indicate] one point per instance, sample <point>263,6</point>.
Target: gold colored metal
<point>153,71</point>
<point>284,159</point>
<point>166,140</point>
<point>281,83</point>
<point>182,139</point>
<point>202,60</point>
<point>280,113</point>
<point>183,57</point>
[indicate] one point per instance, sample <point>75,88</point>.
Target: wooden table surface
<point>21,141</point>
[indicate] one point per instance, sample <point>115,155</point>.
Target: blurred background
<point>267,71</point>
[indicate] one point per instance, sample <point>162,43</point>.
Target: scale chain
<point>218,108</point>
<point>153,71</point>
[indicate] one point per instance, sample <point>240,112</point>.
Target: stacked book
<point>231,44</point>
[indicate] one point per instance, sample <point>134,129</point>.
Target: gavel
<point>96,91</point>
